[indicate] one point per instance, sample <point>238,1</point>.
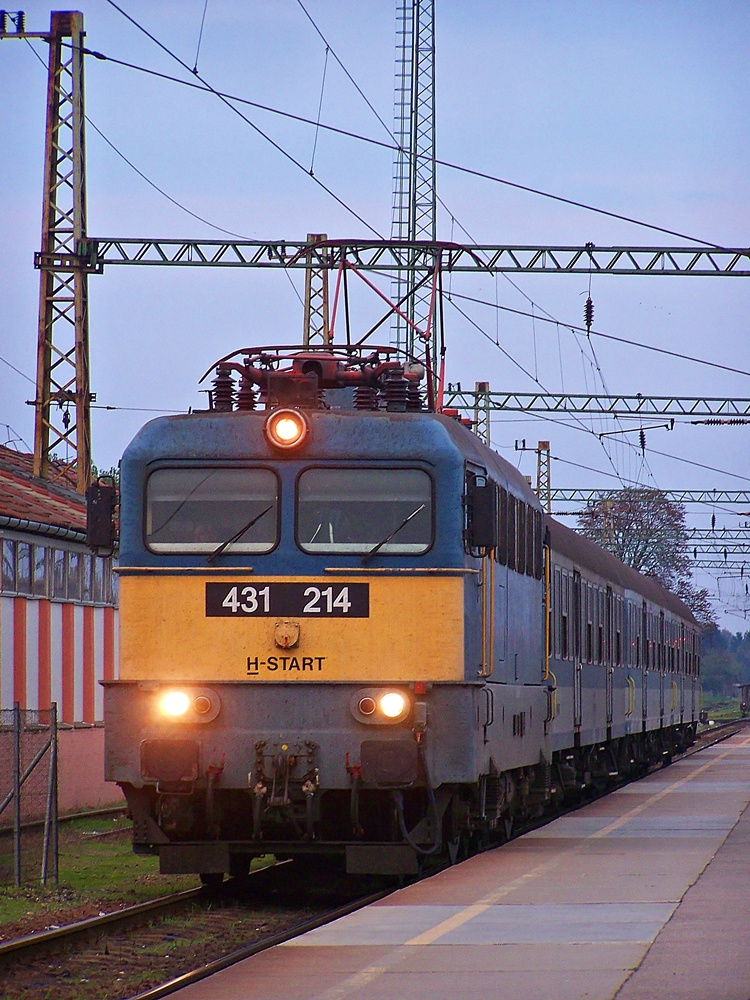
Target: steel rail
<point>31,943</point>
<point>253,949</point>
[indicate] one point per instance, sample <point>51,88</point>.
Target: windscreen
<point>355,510</point>
<point>196,510</point>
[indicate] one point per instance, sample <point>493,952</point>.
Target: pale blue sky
<point>640,108</point>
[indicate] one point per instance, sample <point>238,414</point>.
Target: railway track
<point>213,931</point>
<point>44,941</point>
<point>192,934</point>
<point>716,734</point>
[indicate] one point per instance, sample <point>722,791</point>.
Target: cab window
<point>196,510</point>
<point>354,510</point>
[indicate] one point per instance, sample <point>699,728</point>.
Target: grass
<point>720,708</point>
<point>97,870</point>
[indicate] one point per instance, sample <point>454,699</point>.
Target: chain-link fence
<point>28,795</point>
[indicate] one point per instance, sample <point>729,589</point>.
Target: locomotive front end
<point>292,648</point>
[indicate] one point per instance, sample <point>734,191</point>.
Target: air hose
<point>399,800</point>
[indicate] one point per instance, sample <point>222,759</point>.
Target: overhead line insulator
<point>588,313</point>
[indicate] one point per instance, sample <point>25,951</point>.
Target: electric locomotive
<point>343,632</point>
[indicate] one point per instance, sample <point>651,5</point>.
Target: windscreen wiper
<point>376,548</point>
<point>217,552</point>
<point>180,505</point>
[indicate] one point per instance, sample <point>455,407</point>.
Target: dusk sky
<point>639,108</point>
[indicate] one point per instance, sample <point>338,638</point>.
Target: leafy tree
<point>647,531</point>
<point>725,661</point>
<point>113,474</point>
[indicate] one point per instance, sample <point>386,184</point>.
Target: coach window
<point>520,536</point>
<point>556,610</point>
<point>511,533</point>
<point>501,552</point>
<point>357,510</point>
<point>538,545</point>
<point>196,510</point>
<point>618,631</point>
<point>565,617</point>
<point>589,623</point>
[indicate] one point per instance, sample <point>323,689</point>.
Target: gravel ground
<point>121,965</point>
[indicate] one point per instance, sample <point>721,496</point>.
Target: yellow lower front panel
<point>193,627</point>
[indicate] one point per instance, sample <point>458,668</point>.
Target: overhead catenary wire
<point>318,125</point>
<point>463,228</point>
<point>392,146</point>
<point>607,336</point>
<point>484,333</point>
<point>174,201</point>
<point>17,370</point>
<point>153,184</point>
<point>226,101</point>
<point>596,361</point>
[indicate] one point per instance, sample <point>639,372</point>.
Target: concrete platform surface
<point>643,894</point>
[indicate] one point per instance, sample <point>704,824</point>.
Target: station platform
<point>643,894</point>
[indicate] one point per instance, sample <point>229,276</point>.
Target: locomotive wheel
<point>212,880</point>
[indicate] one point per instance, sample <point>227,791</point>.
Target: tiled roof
<point>24,496</point>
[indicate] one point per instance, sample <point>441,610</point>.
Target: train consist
<point>348,629</point>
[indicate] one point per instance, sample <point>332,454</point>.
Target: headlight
<point>393,705</point>
<point>174,703</point>
<point>286,428</point>
<point>189,705</point>
<point>380,706</point>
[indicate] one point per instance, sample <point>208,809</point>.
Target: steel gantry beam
<point>674,496</point>
<point>403,256</point>
<point>738,567</point>
<point>621,406</point>
<point>722,542</point>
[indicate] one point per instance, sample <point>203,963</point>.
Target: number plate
<point>282,600</point>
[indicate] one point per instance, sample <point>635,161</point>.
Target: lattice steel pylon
<point>543,480</point>
<point>317,332</point>
<point>62,382</point>
<point>414,192</point>
<point>482,411</point>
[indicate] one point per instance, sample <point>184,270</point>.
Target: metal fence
<point>28,795</point>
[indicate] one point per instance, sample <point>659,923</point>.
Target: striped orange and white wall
<point>54,651</point>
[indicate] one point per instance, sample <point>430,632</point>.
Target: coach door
<point>608,657</point>
<point>577,665</point>
<point>661,659</point>
<point>646,663</point>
